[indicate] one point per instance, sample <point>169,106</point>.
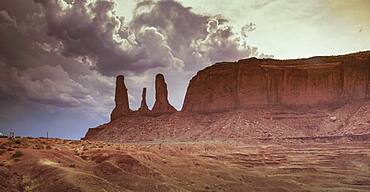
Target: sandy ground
<point>32,164</point>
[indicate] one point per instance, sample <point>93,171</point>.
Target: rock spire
<point>161,104</point>
<point>143,107</point>
<point>121,99</point>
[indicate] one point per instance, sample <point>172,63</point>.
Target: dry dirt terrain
<point>37,164</point>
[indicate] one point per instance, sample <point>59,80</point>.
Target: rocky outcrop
<point>266,82</point>
<point>121,99</point>
<point>246,125</point>
<point>161,104</point>
<point>254,98</point>
<point>143,107</point>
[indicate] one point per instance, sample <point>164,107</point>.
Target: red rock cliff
<point>252,95</point>
<point>265,82</point>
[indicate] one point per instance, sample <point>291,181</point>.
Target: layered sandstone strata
<point>161,105</point>
<point>267,82</point>
<point>121,99</point>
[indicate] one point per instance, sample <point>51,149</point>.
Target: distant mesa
<point>255,82</point>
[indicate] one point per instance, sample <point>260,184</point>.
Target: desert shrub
<point>2,146</point>
<point>48,147</point>
<point>16,141</point>
<point>29,184</point>
<point>17,154</point>
<point>38,146</point>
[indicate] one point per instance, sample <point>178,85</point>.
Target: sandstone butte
<point>253,99</point>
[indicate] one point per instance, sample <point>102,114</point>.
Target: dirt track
<point>60,165</point>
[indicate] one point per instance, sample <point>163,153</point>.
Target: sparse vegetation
<point>17,141</point>
<point>38,146</point>
<point>29,184</point>
<point>17,154</point>
<point>2,146</point>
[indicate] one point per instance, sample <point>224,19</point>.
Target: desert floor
<point>36,164</point>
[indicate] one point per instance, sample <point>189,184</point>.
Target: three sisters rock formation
<point>161,104</point>
<point>253,98</point>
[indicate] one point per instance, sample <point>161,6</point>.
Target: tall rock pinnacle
<point>143,107</point>
<point>161,104</point>
<point>121,99</point>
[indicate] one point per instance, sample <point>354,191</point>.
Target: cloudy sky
<point>59,58</point>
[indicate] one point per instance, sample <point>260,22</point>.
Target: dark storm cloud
<point>196,39</point>
<point>161,34</point>
<point>177,23</point>
<point>45,84</point>
<point>93,30</point>
<point>5,18</point>
<point>86,30</point>
<point>19,9</point>
<point>65,53</point>
<point>31,68</point>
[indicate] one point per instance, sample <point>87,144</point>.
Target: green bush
<point>17,154</point>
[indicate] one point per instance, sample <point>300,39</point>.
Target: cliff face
<point>254,98</point>
<point>267,82</point>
